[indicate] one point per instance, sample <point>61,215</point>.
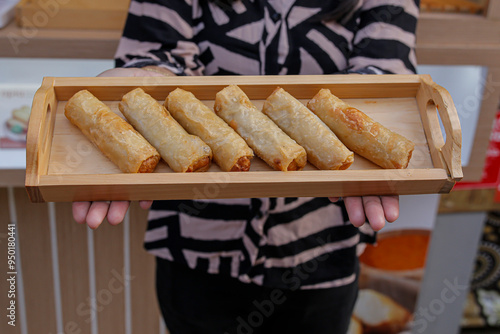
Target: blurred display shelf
<point>469,200</point>
<point>450,38</point>
<point>458,39</point>
<point>12,177</point>
<point>57,43</point>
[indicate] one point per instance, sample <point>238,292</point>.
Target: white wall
<point>28,70</point>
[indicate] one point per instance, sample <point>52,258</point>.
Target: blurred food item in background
<point>15,110</point>
<point>460,6</point>
<point>379,313</point>
<point>472,317</point>
<point>390,276</point>
<point>16,128</point>
<point>355,327</point>
<point>401,250</point>
<point>18,123</point>
<point>482,306</point>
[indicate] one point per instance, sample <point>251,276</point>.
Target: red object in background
<point>9,143</point>
<point>491,171</point>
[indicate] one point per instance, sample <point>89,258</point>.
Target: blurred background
<point>74,280</point>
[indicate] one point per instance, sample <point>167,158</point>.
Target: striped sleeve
<point>385,40</point>
<point>160,33</point>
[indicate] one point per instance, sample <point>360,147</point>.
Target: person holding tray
<point>260,265</point>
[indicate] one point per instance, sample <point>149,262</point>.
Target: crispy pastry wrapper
<point>324,149</point>
<point>180,150</point>
<point>267,140</point>
<point>116,138</point>
<point>360,133</point>
<point>230,151</point>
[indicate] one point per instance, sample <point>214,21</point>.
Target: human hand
<point>93,213</point>
<point>376,209</point>
<point>148,71</point>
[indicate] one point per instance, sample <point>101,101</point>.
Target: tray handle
<point>38,138</point>
<point>438,100</point>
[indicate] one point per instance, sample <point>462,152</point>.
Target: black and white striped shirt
<point>294,243</point>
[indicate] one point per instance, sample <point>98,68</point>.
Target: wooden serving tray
<point>62,165</point>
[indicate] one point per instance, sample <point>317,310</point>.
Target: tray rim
<point>40,186</point>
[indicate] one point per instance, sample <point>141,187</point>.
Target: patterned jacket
<point>294,243</point>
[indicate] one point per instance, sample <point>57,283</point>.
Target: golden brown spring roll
<point>111,134</point>
<point>324,149</point>
<point>230,151</point>
<point>360,133</point>
<point>268,141</point>
<point>180,150</point>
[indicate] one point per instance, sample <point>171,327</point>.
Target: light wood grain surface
<point>74,301</point>
<point>110,278</point>
<point>469,200</point>
<point>35,249</point>
<point>73,270</point>
<point>142,268</point>
<point>74,14</point>
<point>12,177</point>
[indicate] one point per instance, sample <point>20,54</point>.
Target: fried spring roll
<point>267,140</point>
<point>116,138</point>
<point>324,149</point>
<point>230,151</point>
<point>360,133</point>
<point>180,150</point>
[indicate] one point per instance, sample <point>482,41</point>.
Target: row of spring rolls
<point>188,135</point>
